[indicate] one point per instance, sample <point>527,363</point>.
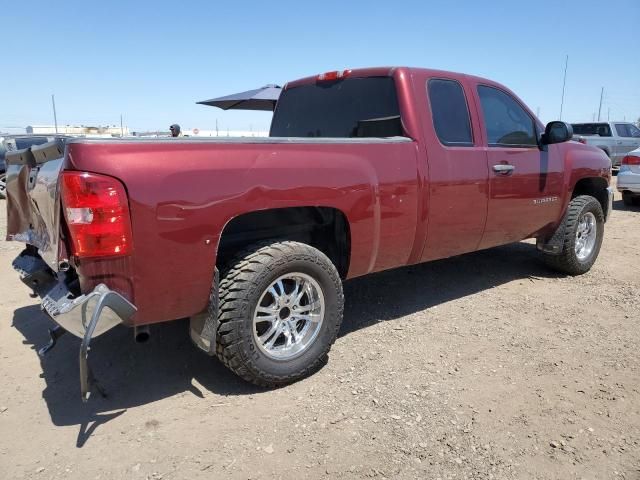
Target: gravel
<point>484,366</point>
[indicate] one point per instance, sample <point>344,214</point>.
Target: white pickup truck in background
<point>615,138</point>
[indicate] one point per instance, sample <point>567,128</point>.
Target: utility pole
<point>564,82</point>
<point>600,107</point>
<point>121,128</point>
<point>217,134</point>
<point>608,113</point>
<point>55,117</point>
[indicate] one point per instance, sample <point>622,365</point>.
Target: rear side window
<point>450,112</point>
<point>506,122</point>
<point>601,129</point>
<point>621,128</point>
<point>354,107</point>
<point>627,130</point>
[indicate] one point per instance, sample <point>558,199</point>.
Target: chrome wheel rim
<point>288,316</point>
<point>586,235</point>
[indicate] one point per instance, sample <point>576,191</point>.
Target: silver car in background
<point>629,178</point>
<point>616,139</point>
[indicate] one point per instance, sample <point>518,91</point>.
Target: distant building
<point>114,131</point>
<point>195,132</point>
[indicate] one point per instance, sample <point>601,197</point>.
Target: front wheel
<point>582,232</point>
<point>280,310</point>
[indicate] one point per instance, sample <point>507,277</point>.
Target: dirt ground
<point>482,366</point>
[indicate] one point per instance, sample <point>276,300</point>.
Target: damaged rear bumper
<point>86,316</point>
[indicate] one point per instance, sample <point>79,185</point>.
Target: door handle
<point>502,169</point>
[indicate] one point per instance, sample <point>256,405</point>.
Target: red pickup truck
<point>364,170</point>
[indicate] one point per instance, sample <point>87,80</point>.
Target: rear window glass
<point>450,112</point>
<point>354,107</point>
<point>601,129</point>
<point>29,142</point>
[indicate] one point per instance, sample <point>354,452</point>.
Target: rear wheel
<point>280,310</point>
<point>583,229</point>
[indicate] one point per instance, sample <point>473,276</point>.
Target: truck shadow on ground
<point>168,364</point>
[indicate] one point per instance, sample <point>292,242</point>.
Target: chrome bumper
<point>75,315</point>
<point>86,316</point>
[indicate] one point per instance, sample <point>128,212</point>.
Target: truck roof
<point>388,72</point>
<point>602,122</point>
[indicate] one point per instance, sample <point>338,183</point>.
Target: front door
<point>525,183</point>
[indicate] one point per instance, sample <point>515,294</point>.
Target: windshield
<point>355,107</point>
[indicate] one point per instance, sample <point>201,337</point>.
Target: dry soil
<point>482,366</point>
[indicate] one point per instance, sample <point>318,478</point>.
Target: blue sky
<point>151,61</point>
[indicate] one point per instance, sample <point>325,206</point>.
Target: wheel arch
<point>595,187</point>
<point>322,227</point>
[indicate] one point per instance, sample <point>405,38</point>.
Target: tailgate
<point>33,201</point>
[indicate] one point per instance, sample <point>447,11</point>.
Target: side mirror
<point>557,132</point>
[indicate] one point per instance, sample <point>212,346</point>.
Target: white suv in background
<point>629,178</point>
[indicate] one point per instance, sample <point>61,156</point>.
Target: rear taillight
<point>631,160</point>
<point>332,76</point>
<point>97,214</point>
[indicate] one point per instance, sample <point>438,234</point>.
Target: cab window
<point>450,112</point>
<point>507,124</point>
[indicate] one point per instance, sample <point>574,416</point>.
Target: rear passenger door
<point>525,183</point>
<point>457,188</point>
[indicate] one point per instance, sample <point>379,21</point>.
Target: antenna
<point>55,117</point>
<point>564,82</point>
<point>600,107</point>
